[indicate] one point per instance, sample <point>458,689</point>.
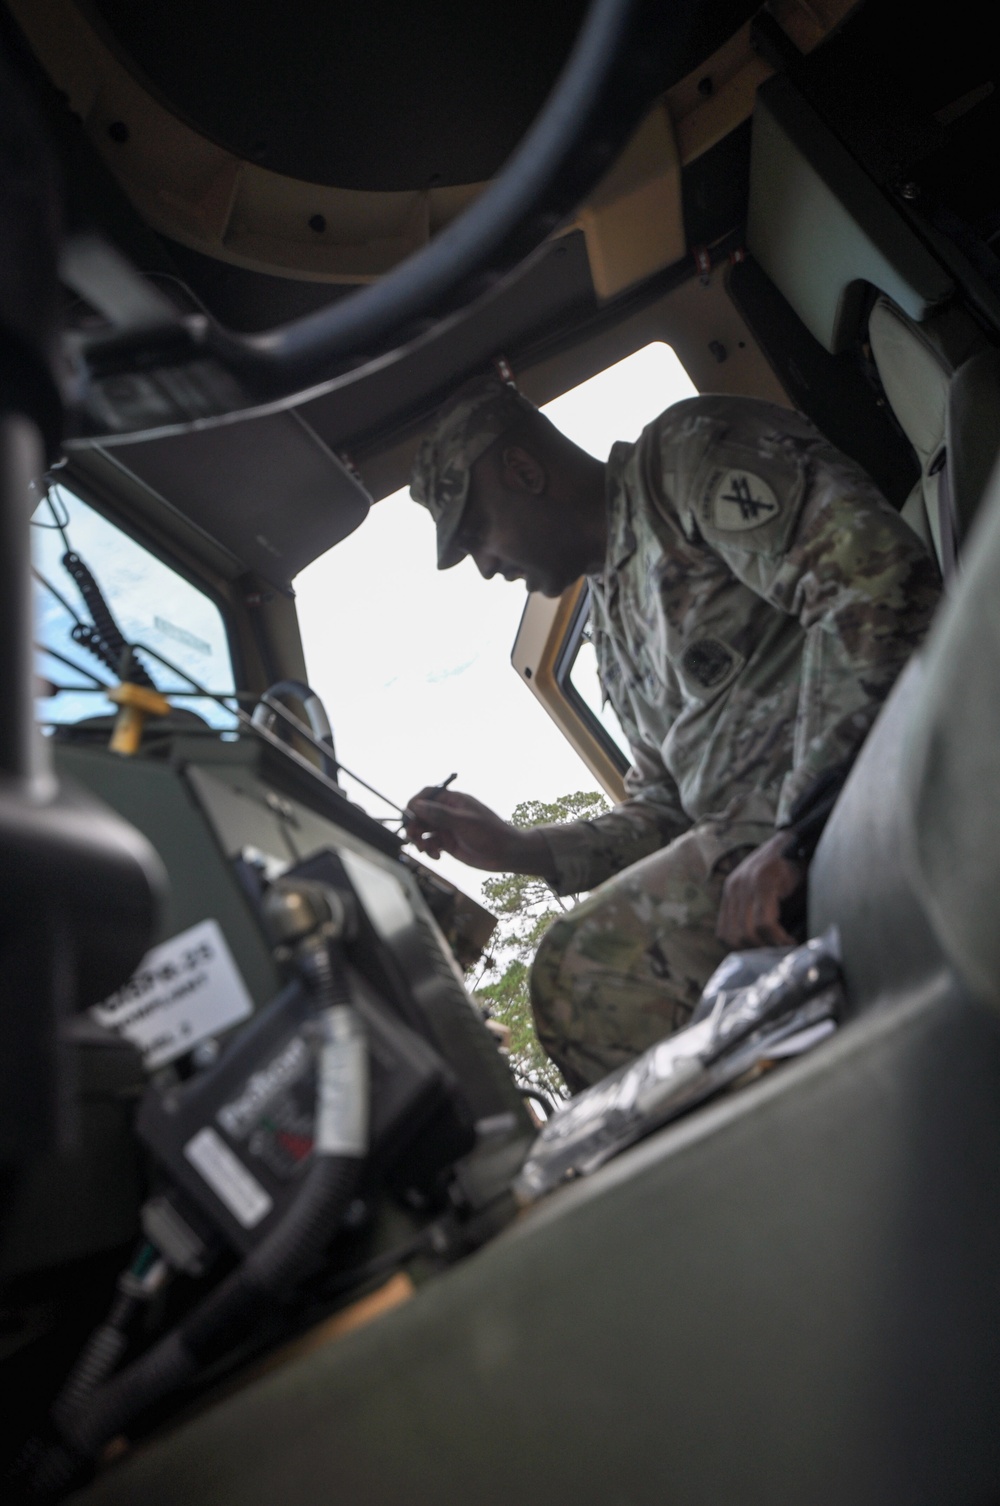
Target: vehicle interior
<point>247,253</point>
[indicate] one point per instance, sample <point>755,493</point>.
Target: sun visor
<point>267,489</point>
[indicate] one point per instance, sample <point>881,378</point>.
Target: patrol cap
<point>476,415</point>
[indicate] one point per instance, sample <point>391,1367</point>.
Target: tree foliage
<point>525,907</point>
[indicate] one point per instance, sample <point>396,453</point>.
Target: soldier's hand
<point>750,913</point>
<point>447,821</point>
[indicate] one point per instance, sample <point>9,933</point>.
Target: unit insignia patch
<point>737,500</point>
<point>708,661</point>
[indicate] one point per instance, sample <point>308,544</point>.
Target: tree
<point>525,907</point>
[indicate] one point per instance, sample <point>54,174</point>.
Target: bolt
<point>909,191</point>
<point>318,223</point>
<point>205,1054</point>
<point>118,131</point>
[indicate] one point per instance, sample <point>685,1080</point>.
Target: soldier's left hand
<point>750,913</point>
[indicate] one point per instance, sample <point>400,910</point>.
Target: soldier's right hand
<point>439,821</point>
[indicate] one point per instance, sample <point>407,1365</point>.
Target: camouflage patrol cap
<point>476,415</point>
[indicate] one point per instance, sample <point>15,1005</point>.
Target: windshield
<point>150,602</point>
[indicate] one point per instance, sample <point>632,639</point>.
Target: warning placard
<point>184,990</point>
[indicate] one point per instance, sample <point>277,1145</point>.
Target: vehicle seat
<point>826,236</point>
<point>942,380</point>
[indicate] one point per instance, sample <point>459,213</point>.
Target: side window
<point>616,404</point>
<point>577,678</point>
<point>177,630</point>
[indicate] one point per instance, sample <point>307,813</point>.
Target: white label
<point>342,1087</point>
<point>228,1178</point>
<point>184,990</point>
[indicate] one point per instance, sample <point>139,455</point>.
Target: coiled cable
<point>90,1417</point>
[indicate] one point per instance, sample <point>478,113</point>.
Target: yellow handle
<point>127,736</point>
<point>135,703</point>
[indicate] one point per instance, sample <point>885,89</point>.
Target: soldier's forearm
<point>531,854</point>
<point>585,853</point>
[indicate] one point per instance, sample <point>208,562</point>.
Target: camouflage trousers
<point>627,965</point>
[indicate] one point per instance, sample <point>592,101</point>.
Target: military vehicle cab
<point>261,1232</point>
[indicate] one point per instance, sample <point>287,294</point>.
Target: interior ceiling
<point>362,96</point>
<point>384,96</point>
<point>398,97</point>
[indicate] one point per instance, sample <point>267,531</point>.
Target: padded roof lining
<point>331,92</point>
<point>267,489</point>
<point>820,228</point>
<point>552,289</point>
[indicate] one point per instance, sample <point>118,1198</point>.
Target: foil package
<point>757,1007</point>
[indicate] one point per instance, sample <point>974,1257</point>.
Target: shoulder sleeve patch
<point>747,497</point>
<point>739,499</point>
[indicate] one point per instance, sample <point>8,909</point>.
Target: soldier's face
<point>522,533</point>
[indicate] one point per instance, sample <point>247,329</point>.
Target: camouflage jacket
<point>758,599</point>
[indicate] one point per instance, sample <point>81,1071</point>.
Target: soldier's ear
<point>521,471</point>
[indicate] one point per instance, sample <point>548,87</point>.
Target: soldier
<point>753,599</point>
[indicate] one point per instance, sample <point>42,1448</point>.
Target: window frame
<point>566,657</point>
<point>102,501</point>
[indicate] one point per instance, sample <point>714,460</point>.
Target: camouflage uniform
<point>758,599</point>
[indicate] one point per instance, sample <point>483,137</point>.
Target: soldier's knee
<point>546,982</point>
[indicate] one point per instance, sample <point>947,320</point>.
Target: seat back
<point>918,365</point>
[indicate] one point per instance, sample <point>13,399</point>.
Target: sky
<point>413,664</point>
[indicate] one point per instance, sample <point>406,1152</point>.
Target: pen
<point>437,789</point>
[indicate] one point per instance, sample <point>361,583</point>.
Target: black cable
<point>99,684</point>
<point>107,645</point>
<point>136,1287</point>
<point>269,737</point>
<point>303,348</point>
<point>262,732</point>
<point>292,1249</point>
<point>58,525</point>
<point>100,613</point>
<point>175,695</point>
<point>104,639</point>
<point>61,523</point>
<point>60,598</point>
